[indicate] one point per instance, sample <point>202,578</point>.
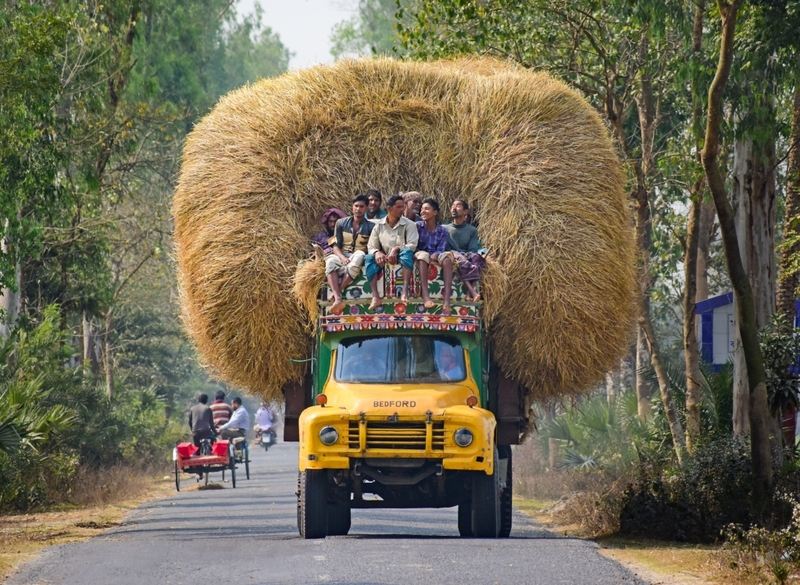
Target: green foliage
<point>53,421</point>
<point>695,502</point>
<point>597,434</point>
<point>780,346</point>
<point>370,31</point>
<point>95,100</point>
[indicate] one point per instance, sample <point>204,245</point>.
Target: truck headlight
<point>463,437</point>
<point>328,435</point>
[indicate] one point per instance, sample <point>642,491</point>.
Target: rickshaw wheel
<point>177,477</point>
<point>206,475</point>
<point>246,460</point>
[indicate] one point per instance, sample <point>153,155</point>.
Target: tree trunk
<point>665,387</point>
<point>706,236</point>
<point>741,387</point>
<point>552,444</point>
<point>646,108</point>
<point>108,362</point>
<point>694,391</point>
<point>90,353</point>
<point>10,303</point>
<point>788,283</point>
<point>746,311</point>
<point>754,203</point>
<point>643,390</point>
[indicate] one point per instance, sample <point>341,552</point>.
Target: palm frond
<point>574,460</point>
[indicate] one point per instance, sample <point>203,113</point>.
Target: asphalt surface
<point>249,535</point>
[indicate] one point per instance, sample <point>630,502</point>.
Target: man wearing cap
<point>413,201</point>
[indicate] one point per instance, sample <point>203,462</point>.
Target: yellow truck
<point>403,407</point>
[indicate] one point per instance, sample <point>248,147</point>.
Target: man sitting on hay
<point>374,211</point>
<point>394,239</point>
<point>465,245</point>
<point>351,235</point>
<point>433,238</point>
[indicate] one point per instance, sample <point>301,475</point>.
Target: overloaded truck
<point>403,407</point>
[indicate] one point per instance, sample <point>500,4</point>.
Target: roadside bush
<point>693,503</point>
<point>58,430</point>
<point>766,554</point>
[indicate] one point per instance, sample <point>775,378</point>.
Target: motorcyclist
<point>264,420</point>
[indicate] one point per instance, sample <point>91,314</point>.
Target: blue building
<point>717,319</point>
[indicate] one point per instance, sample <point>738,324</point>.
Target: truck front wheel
<point>312,514</point>
<point>465,519</point>
<point>486,503</point>
<point>339,518</point>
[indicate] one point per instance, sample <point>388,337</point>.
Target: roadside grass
<point>22,536</point>
<point>664,563</point>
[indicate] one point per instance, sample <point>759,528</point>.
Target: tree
<point>370,31</point>
<point>621,56</point>
<point>759,431</point>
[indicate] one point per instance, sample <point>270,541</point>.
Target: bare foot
<point>403,298</point>
<point>375,303</point>
<point>429,304</point>
<point>468,298</point>
<point>446,308</point>
<point>337,306</point>
<point>476,298</point>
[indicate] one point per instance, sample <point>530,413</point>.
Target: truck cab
<point>402,410</point>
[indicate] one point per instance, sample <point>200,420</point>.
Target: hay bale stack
<point>528,153</point>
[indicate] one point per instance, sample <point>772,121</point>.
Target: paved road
<point>249,535</point>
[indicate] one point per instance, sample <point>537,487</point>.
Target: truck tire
<point>338,519</point>
<point>313,513</point>
<point>506,505</point>
<point>486,503</point>
<point>465,519</point>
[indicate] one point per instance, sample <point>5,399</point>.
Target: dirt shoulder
<point>22,536</point>
<point>659,563</point>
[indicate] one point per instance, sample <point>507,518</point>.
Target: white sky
<point>304,26</point>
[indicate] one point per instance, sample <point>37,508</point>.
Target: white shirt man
<point>264,418</point>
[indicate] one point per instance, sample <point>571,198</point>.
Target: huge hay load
<point>529,154</point>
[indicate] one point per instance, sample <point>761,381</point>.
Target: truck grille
<point>398,435</point>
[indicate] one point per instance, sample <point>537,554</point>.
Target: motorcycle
<point>266,438</point>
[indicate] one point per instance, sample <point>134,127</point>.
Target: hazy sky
<point>304,26</point>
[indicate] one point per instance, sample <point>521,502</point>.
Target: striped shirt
<point>221,411</point>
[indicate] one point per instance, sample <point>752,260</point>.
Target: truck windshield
<point>400,358</point>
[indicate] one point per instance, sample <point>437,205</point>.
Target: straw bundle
<point>528,153</point>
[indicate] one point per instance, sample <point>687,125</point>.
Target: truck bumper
<point>379,437</point>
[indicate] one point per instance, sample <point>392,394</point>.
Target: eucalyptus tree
<point>622,56</point>
<point>746,312</point>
